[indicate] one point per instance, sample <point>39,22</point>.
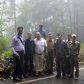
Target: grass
<point>82,49</point>
<point>82,54</point>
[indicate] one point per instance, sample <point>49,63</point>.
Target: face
<point>50,36</point>
<point>73,39</point>
<point>29,35</point>
<point>40,27</point>
<point>60,37</point>
<point>20,31</point>
<point>38,35</point>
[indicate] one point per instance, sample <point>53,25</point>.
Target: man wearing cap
<point>74,52</point>
<point>68,41</point>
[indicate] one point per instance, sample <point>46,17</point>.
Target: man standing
<point>40,52</point>
<point>61,51</point>
<point>68,67</point>
<point>18,54</point>
<point>49,57</point>
<point>42,32</point>
<point>29,50</point>
<point>74,52</point>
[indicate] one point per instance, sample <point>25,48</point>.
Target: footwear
<point>16,79</point>
<point>71,76</point>
<point>76,78</point>
<point>42,74</point>
<point>26,76</point>
<point>57,76</point>
<point>64,77</point>
<point>37,75</point>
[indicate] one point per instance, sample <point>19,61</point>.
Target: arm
<point>78,48</point>
<point>33,47</point>
<point>45,48</point>
<point>54,49</point>
<point>12,46</point>
<point>66,50</point>
<point>25,46</point>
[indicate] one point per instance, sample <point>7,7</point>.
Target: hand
<point>17,54</point>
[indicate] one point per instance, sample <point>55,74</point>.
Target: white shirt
<point>17,45</point>
<point>40,45</point>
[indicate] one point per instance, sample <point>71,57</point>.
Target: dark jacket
<point>61,49</point>
<point>29,46</point>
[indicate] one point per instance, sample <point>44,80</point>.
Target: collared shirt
<point>17,44</point>
<point>40,45</point>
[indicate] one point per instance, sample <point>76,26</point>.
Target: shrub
<point>4,43</point>
<point>6,54</point>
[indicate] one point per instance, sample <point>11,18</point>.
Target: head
<point>50,35</point>
<point>73,38</point>
<point>60,37</point>
<point>69,37</point>
<point>38,35</point>
<point>29,34</point>
<point>41,27</point>
<point>19,31</point>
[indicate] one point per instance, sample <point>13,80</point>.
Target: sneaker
<point>76,78</point>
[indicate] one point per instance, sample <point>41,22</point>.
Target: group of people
<point>67,57</point>
<point>34,57</point>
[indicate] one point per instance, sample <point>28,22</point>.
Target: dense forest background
<point>57,16</point>
<point>65,16</point>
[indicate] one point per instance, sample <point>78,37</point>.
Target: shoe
<point>42,74</point>
<point>76,78</point>
<point>16,79</point>
<point>26,76</point>
<point>71,76</point>
<point>57,76</point>
<point>64,77</point>
<point>37,75</point>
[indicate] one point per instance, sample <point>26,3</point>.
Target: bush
<point>4,44</point>
<point>6,54</point>
<point>82,54</point>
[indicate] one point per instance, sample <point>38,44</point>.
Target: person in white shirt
<point>18,49</point>
<point>40,53</point>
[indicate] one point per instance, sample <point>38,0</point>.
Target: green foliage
<point>82,49</point>
<point>6,54</point>
<point>81,54</point>
<point>4,44</point>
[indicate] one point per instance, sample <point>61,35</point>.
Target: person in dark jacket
<point>61,51</point>
<point>29,50</point>
<point>68,67</point>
